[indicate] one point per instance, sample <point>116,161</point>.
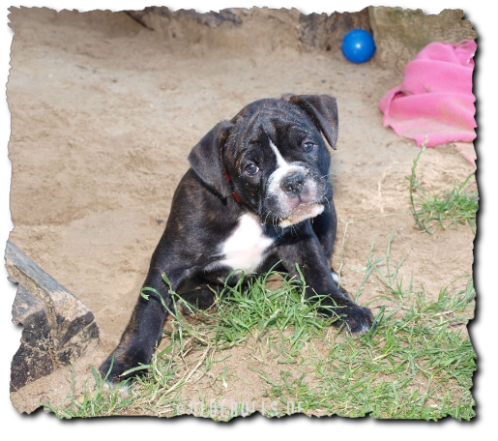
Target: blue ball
<point>358,46</point>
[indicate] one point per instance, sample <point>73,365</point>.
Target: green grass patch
<point>446,209</point>
<point>417,363</point>
<point>414,365</point>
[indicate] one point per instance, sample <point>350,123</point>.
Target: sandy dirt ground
<point>104,113</point>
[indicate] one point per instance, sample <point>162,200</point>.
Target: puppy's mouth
<point>302,212</point>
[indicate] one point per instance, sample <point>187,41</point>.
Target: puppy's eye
<point>251,168</point>
<point>308,146</point>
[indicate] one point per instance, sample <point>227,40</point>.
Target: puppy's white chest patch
<point>244,249</point>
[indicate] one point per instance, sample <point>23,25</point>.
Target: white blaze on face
<point>283,169</point>
<point>281,162</point>
<point>304,210</point>
<point>245,248</point>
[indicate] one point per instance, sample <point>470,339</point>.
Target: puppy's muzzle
<point>296,196</point>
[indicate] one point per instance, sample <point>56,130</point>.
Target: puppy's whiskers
<point>328,202</point>
<point>266,218</point>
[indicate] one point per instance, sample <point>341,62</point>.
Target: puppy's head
<point>274,155</point>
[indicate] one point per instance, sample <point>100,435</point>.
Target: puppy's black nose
<point>293,183</point>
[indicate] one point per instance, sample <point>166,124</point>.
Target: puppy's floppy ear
<point>323,112</point>
<point>206,157</point>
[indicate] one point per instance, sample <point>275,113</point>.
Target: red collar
<point>235,195</point>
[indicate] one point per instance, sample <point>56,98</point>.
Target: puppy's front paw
<point>113,368</point>
<point>357,319</point>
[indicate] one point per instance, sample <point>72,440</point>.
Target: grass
<point>449,208</point>
<point>418,363</point>
<point>412,366</point>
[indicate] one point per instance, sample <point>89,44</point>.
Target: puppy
<point>256,194</point>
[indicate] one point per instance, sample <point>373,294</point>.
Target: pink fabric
<point>435,99</point>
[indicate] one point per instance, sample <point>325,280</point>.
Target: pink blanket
<point>435,99</point>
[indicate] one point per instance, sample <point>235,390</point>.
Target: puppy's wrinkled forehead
<point>269,125</point>
<point>272,116</point>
